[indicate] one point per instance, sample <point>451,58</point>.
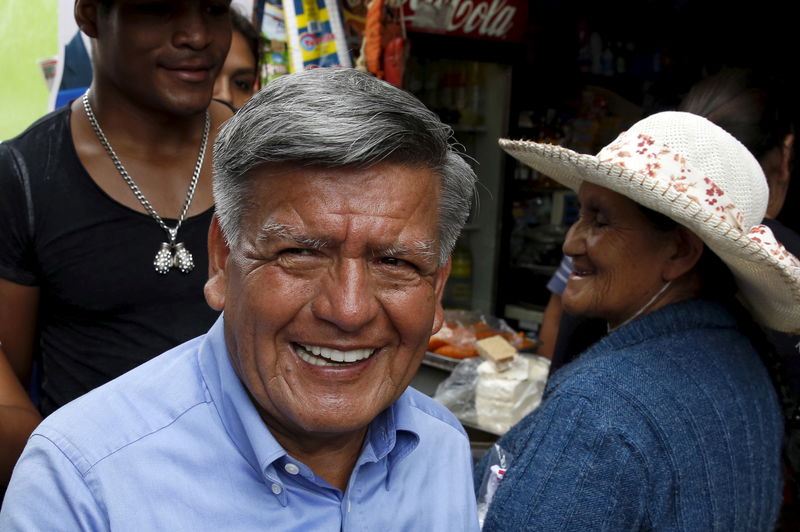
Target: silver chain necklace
<point>172,254</point>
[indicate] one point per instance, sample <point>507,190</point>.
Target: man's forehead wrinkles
<point>385,207</point>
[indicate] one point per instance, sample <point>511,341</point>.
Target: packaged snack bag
<point>315,34</point>
<point>276,57</point>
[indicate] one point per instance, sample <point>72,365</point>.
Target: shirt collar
<point>237,412</point>
<point>392,435</point>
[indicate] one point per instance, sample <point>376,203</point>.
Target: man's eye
<point>154,8</point>
<point>218,9</point>
<point>394,262</point>
<point>299,252</point>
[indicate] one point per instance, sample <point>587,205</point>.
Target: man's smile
<point>327,356</point>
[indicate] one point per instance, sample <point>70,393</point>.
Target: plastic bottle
<point>458,291</point>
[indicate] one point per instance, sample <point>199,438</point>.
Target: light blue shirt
<point>176,444</point>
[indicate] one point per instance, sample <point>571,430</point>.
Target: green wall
<point>28,32</point>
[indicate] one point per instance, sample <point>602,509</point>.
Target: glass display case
<point>473,97</point>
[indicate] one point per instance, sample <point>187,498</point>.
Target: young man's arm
<point>18,417</point>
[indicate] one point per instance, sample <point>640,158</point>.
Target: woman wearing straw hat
<point>670,421</point>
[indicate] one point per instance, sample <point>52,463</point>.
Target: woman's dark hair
<point>751,106</point>
<point>253,37</point>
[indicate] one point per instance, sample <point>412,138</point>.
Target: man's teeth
<point>325,356</point>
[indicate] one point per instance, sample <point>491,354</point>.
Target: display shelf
<point>472,96</point>
<point>439,361</point>
<point>519,313</point>
<point>541,269</point>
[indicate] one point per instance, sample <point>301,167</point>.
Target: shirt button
<point>292,469</point>
<point>277,489</point>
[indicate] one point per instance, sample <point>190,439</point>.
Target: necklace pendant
<point>183,259</point>
<point>173,256</point>
<point>163,261</point>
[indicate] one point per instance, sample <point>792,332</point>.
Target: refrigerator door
<point>473,97</point>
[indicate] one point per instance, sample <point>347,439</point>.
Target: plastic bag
<point>457,391</point>
<point>497,462</point>
<point>480,395</point>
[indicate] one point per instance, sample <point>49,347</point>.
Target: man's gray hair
<point>337,117</point>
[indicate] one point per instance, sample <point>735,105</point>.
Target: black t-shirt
<point>103,308</point>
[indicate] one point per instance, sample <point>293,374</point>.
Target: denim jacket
<point>668,423</point>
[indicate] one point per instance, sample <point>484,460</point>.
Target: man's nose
<point>192,28</point>
<point>347,298</point>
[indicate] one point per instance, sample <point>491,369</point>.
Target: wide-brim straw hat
<point>687,168</point>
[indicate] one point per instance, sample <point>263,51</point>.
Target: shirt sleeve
<point>17,256</point>
<point>569,472</point>
<point>47,492</point>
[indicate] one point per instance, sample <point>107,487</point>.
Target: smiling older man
<point>339,200</point>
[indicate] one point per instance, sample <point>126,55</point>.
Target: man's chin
<point>187,102</point>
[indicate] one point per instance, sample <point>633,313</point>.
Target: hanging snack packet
<point>276,58</point>
<point>354,16</point>
<point>384,48</point>
<point>315,34</point>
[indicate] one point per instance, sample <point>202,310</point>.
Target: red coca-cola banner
<point>503,20</point>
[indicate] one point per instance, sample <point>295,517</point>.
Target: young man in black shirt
<point>106,202</point>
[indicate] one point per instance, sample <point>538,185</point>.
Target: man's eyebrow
<point>274,231</point>
<point>424,248</point>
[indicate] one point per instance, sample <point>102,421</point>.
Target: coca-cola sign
<point>479,19</point>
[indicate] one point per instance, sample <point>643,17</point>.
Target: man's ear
<point>218,252</point>
<point>86,16</point>
<point>439,282</point>
<point>686,251</point>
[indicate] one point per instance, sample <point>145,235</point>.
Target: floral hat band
<point>645,155</point>
<point>687,168</point>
